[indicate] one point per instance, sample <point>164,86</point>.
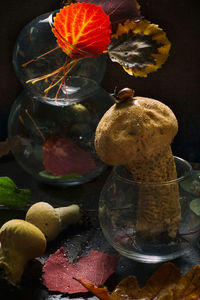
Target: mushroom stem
<point>12,266</point>
<point>68,215</point>
<point>50,220</point>
<point>159,206</point>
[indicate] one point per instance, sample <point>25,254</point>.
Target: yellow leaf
<point>140,47</point>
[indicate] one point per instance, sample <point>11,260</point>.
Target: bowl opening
<point>183,167</point>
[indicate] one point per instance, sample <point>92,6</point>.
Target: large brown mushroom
<point>137,132</point>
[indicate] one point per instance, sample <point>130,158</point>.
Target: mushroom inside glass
<point>137,133</point>
<point>142,197</point>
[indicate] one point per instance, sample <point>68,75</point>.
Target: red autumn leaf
<point>82,30</point>
<point>62,157</point>
<point>118,10</point>
<point>101,293</point>
<point>59,274</point>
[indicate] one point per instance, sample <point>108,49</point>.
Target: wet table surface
<point>77,239</point>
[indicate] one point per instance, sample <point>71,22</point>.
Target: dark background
<point>176,84</point>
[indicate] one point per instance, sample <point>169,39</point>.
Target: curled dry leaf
<point>167,275</point>
<point>101,293</point>
<point>165,284</point>
<point>188,287</point>
<point>4,148</point>
<point>140,47</point>
<point>128,286</point>
<point>82,30</point>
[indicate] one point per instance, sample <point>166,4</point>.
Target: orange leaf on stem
<point>82,30</point>
<point>101,293</point>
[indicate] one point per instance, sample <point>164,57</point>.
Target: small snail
<point>123,95</point>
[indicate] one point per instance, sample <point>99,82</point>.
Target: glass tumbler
<point>120,211</point>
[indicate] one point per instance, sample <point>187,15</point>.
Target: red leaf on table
<point>62,157</point>
<point>59,274</point>
<point>118,10</point>
<point>82,29</point>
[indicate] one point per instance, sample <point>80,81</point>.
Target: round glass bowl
<point>36,53</point>
<point>52,139</point>
<point>120,212</point>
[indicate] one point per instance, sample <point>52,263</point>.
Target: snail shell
<point>123,95</point>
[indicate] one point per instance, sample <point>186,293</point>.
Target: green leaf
<point>195,206</point>
<point>11,196</point>
<point>51,176</point>
<point>192,185</point>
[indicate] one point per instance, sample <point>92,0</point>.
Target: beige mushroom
<point>50,220</point>
<point>20,242</point>
<point>137,132</point>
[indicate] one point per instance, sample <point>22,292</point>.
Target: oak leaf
<point>166,276</point>
<point>188,287</point>
<point>165,284</point>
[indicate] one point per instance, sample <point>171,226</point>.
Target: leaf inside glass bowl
<point>195,206</point>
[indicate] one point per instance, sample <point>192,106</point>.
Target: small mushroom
<point>50,220</point>
<point>137,133</point>
<point>20,242</point>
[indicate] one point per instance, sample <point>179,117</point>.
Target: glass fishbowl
<point>142,232</point>
<point>52,139</point>
<point>36,53</point>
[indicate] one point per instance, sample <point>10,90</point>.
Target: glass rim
<point>151,183</point>
<point>64,99</point>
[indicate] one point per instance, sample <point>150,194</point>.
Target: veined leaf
<point>82,30</point>
<point>62,157</point>
<point>140,47</point>
<point>11,196</point>
<point>96,267</point>
<point>118,10</point>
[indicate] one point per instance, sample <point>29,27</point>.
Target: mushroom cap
<point>134,130</point>
<point>22,236</point>
<point>44,216</point>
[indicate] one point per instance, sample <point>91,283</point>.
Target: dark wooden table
<point>77,239</point>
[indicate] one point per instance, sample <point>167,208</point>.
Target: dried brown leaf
<point>188,287</point>
<point>4,148</point>
<point>128,286</point>
<point>168,274</point>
